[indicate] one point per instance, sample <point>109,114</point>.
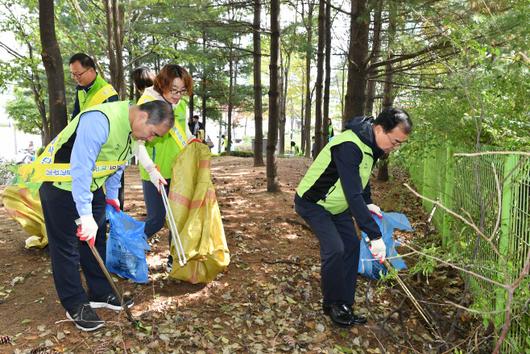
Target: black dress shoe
<point>327,308</point>
<point>358,319</point>
<point>342,315</point>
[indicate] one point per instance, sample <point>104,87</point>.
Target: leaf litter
<point>268,300</point>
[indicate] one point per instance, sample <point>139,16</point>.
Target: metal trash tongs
<point>424,314</point>
<point>173,227</point>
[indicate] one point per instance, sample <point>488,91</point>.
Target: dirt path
<point>267,301</point>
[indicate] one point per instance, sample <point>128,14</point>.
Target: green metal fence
<point>492,191</point>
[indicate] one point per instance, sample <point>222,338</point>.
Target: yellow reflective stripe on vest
<point>102,95</point>
<point>60,172</point>
<point>44,170</point>
<point>179,135</point>
<point>46,157</point>
<point>177,132</point>
<point>145,98</point>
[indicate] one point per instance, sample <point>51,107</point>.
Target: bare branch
<point>458,216</point>
<point>396,59</point>
<point>467,309</point>
<point>11,51</point>
<point>504,286</point>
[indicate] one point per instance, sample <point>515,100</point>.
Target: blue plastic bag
<point>368,266</point>
<point>126,246</point>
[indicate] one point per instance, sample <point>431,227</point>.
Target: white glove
<point>87,229</point>
<point>156,178</point>
<point>143,157</point>
<point>374,209</point>
<point>378,249</point>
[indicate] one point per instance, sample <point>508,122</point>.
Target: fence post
<point>510,163</point>
<point>441,163</point>
<point>428,181</point>
<point>448,196</point>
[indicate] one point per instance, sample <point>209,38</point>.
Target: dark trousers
<point>67,252</point>
<point>156,213</point>
<point>339,251</point>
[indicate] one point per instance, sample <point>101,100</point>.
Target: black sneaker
<point>111,302</point>
<point>86,319</point>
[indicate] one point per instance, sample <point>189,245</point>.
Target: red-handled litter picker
<point>137,324</point>
<point>173,227</point>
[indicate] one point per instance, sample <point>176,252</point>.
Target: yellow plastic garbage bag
<point>24,206</point>
<point>197,216</point>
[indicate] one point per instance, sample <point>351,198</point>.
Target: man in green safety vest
<point>91,89</point>
<point>89,154</point>
<point>335,188</point>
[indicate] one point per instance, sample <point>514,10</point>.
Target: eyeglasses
<point>394,142</point>
<point>78,76</point>
<point>181,92</point>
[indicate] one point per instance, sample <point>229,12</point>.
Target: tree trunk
<point>319,134</point>
<point>274,109</point>
<point>203,102</point>
<point>191,106</point>
<point>114,22</point>
<point>285,68</point>
<point>327,81</point>
<point>309,54</point>
<point>156,60</point>
<point>203,86</point>
<point>388,98</point>
<point>258,109</point>
<point>374,57</point>
<point>191,103</point>
<point>118,18</point>
<point>343,93</point>
<point>229,110</point>
<point>37,90</point>
<point>130,88</point>
<point>357,55</point>
<point>41,107</point>
<point>281,100</point>
<point>302,119</point>
<point>110,40</point>
<point>53,64</point>
<point>285,86</point>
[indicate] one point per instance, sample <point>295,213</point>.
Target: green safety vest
<point>98,93</point>
<point>330,131</point>
<point>335,201</point>
<point>115,152</point>
<point>164,149</point>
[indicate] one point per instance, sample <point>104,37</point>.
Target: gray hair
<point>159,112</point>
